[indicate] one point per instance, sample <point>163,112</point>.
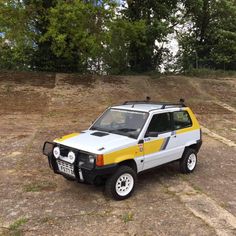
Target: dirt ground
<point>35,107</point>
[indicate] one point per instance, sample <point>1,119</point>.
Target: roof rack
<point>162,104</point>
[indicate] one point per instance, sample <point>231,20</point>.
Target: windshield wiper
<point>123,134</point>
<point>115,132</point>
<point>126,130</point>
<point>98,128</point>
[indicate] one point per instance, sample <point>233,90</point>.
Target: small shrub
<point>127,217</point>
<point>204,72</point>
<point>15,227</point>
<point>39,186</point>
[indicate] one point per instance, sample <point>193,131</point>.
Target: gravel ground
<point>35,107</point>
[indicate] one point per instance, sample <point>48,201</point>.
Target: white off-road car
<point>126,140</point>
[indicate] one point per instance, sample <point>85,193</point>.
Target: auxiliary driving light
<point>71,156</point>
<point>56,152</point>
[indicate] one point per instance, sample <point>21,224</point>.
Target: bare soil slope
<point>35,107</point>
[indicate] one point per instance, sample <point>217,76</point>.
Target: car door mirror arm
<point>141,141</point>
<point>151,134</point>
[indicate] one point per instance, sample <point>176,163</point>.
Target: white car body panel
<point>174,149</point>
<point>92,144</point>
<point>156,158</point>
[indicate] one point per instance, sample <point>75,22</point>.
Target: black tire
<point>186,160</point>
<point>112,181</point>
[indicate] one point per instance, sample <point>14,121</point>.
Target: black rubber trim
<point>91,175</point>
<point>198,145</point>
<point>45,143</point>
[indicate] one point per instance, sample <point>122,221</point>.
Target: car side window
<point>160,123</point>
<point>181,120</point>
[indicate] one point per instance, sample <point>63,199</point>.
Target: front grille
<point>65,164</point>
<point>81,160</point>
<point>66,168</point>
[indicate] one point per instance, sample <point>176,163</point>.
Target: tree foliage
<point>116,37</point>
<point>210,41</point>
<point>78,32</point>
<point>15,43</point>
<point>147,52</point>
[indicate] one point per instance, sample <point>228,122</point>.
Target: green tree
<point>37,12</point>
<point>79,34</point>
<point>121,33</point>
<point>210,39</point>
<point>15,43</point>
<point>147,52</point>
<point>22,24</point>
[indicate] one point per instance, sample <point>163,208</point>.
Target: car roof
<point>146,107</point>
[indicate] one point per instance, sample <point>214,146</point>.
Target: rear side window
<point>160,123</point>
<point>181,120</point>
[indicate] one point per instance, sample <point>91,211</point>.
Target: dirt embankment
<point>35,107</point>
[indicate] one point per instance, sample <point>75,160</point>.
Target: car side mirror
<point>151,134</point>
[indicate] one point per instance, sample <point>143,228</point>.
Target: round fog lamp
<point>56,152</point>
<point>71,156</point>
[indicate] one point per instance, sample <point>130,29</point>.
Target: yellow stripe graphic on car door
<point>153,146</point>
<point>134,151</point>
<point>122,155</point>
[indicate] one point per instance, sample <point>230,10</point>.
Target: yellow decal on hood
<point>66,137</point>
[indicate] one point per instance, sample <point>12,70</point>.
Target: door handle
<point>173,134</point>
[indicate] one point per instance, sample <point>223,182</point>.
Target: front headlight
<point>92,158</point>
<point>56,152</point>
<point>87,160</point>
<point>71,156</point>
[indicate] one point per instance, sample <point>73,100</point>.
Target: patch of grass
<point>32,188</point>
<point>186,178</point>
<point>197,189</point>
<point>18,223</point>
<point>183,176</point>
<point>127,217</point>
<point>8,88</point>
<point>52,114</point>
<point>15,226</point>
<point>154,74</point>
<point>224,205</point>
<point>39,186</point>
<point>204,72</point>
<point>167,191</point>
<point>46,219</point>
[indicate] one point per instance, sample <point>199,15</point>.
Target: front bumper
<point>85,175</point>
<point>95,175</point>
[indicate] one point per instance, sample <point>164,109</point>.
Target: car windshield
<point>123,122</point>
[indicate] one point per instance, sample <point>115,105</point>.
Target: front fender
<point>122,155</point>
<point>190,143</point>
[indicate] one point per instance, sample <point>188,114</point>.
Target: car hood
<point>96,141</point>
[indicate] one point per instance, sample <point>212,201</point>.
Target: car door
<point>181,134</point>
<point>158,134</point>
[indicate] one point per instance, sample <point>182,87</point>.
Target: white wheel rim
<point>192,160</point>
<point>124,184</point>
